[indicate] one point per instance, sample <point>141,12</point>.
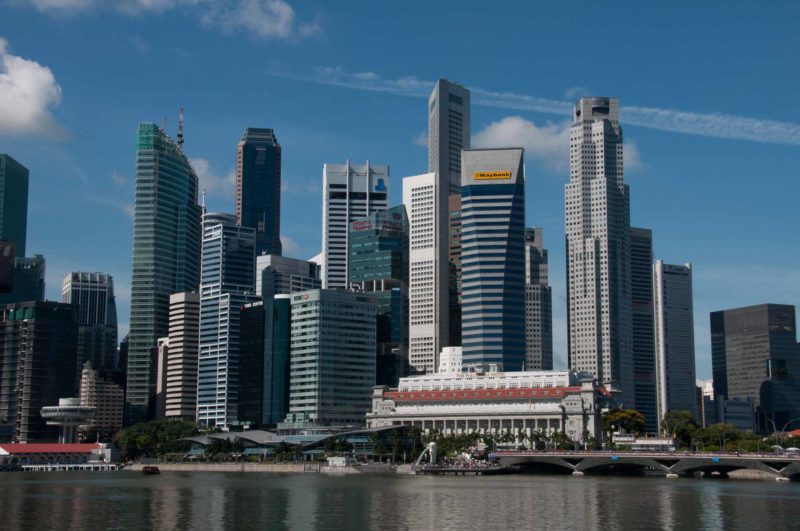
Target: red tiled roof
<point>36,448</point>
<point>795,433</point>
<point>483,394</point>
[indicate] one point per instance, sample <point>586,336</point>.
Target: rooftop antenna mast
<point>180,130</point>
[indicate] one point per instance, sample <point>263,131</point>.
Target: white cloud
<point>262,18</point>
<point>421,139</point>
<point>630,156</point>
<point>290,247</point>
<point>575,92</point>
<point>298,187</point>
<point>548,144</point>
<point>119,179</point>
<point>265,18</point>
<point>714,125</point>
<point>213,183</point>
<point>28,95</point>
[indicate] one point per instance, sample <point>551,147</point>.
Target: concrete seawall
<point>233,467</point>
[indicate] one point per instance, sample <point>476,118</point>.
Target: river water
<point>178,500</point>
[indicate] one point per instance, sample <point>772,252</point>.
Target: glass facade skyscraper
<point>227,283</point>
<point>448,132</point>
<point>378,264</point>
<point>258,188</point>
<point>644,357</point>
<point>493,258</point>
<point>166,254</point>
<point>264,362</point>
<point>13,202</point>
<point>332,366</point>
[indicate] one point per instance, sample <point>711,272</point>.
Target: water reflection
<point>258,501</point>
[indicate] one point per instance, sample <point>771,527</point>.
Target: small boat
<point>150,470</point>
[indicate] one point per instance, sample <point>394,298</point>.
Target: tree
<point>680,425</point>
<point>628,420</point>
<point>719,435</point>
<point>154,438</point>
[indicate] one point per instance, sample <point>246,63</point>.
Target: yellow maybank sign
<point>491,175</point>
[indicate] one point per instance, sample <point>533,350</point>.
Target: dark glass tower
<point>644,356</point>
<point>13,202</point>
<point>166,254</point>
<point>258,188</point>
<point>378,264</point>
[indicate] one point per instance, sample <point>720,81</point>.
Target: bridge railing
<point>676,453</point>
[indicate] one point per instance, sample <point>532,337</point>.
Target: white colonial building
<point>492,402</point>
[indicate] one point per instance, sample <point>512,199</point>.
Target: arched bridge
<point>669,464</point>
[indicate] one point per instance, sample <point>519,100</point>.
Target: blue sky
<point>710,116</point>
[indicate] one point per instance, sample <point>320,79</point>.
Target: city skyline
<point>717,170</point>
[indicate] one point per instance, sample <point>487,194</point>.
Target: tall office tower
<point>27,281</point>
<point>92,295</point>
<point>454,271</point>
<point>493,258</point>
<point>600,337</point>
<point>350,192</point>
<point>166,254</point>
<point>538,305</point>
<point>258,187</point>
<point>332,365</point>
<point>644,357</point>
<point>281,274</point>
<point>264,379</point>
<point>13,202</point>
<point>755,355</point>
<point>38,347</point>
<point>429,271</point>
<point>228,282</point>
<point>674,335</point>
<point>108,399</point>
<point>180,392</point>
<point>378,264</point>
<point>448,132</point>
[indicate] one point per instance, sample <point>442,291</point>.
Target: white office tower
<point>674,333</point>
<point>600,337</point>
<point>428,289</point>
<point>448,131</point>
<point>350,192</point>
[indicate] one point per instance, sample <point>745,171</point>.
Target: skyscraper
<point>281,274</point>
<point>755,356</point>
<point>180,393</point>
<point>428,280</point>
<point>378,265</point>
<point>227,283</point>
<point>674,334</point>
<point>92,295</point>
<point>108,399</point>
<point>38,342</point>
<point>166,254</point>
<point>493,258</point>
<point>448,132</point>
<point>27,281</point>
<point>350,192</point>
<point>454,272</point>
<point>332,367</point>
<point>264,378</point>
<point>258,188</point>
<point>644,357</point>
<point>13,202</point>
<point>538,304</point>
<point>597,209</point>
